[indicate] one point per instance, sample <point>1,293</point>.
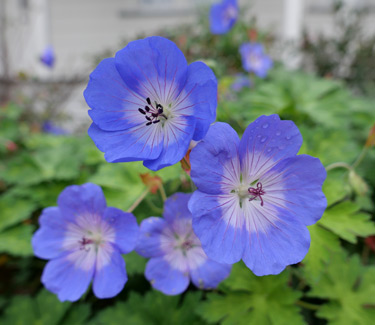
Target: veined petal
<point>165,278</point>
<point>176,207</point>
<point>81,200</point>
<point>149,243</point>
<point>47,240</point>
<point>125,227</point>
<point>137,143</point>
<point>177,137</point>
<point>110,274</point>
<point>69,276</point>
<point>153,67</point>
<point>295,185</point>
<point>265,143</point>
<point>218,223</point>
<point>215,165</point>
<point>114,106</point>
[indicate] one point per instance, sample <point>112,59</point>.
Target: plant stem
<point>138,201</point>
<point>360,157</point>
<point>338,165</point>
<point>162,192</point>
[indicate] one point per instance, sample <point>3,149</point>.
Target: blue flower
<point>223,16</point>
<point>51,128</point>
<point>84,240</point>
<point>48,57</point>
<point>147,103</point>
<point>255,196</point>
<point>241,81</point>
<point>254,59</point>
<point>176,253</point>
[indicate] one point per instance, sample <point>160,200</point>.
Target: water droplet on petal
<point>265,126</point>
<point>281,147</point>
<point>288,137</point>
<point>269,149</point>
<point>278,133</point>
<point>263,139</point>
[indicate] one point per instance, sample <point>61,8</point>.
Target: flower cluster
<point>254,59</point>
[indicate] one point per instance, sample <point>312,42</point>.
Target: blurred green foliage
<point>334,284</point>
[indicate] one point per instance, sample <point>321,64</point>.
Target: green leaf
<point>350,287</point>
<point>336,187</point>
<point>14,210</point>
<point>153,308</point>
<point>347,222</point>
<point>45,309</point>
<point>253,300</point>
<point>17,240</point>
<point>135,264</point>
<point>77,315</point>
<point>323,244</point>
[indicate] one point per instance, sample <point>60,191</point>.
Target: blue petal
<point>218,23</point>
<point>69,276</point>
<point>210,274</point>
<point>211,160</point>
<point>149,238</point>
<point>295,185</point>
<point>164,278</point>
<point>48,239</point>
<point>138,143</point>
<point>218,226</point>
<point>202,87</point>
<point>76,200</point>
<point>113,105</point>
<point>147,66</point>
<point>284,243</point>
<point>110,274</point>
<point>265,143</point>
<point>125,226</point>
<point>177,136</point>
<point>176,206</point>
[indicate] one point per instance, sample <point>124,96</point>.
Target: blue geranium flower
<point>223,16</point>
<point>256,196</point>
<point>241,81</point>
<point>254,59</point>
<point>84,240</point>
<point>48,57</point>
<point>176,253</point>
<point>147,103</point>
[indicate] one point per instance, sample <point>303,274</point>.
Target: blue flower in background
<point>147,103</point>
<point>223,16</point>
<point>84,240</point>
<point>51,128</point>
<point>254,59</point>
<point>48,57</point>
<point>241,81</point>
<point>256,196</point>
<point>176,253</point>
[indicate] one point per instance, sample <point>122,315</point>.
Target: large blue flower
<point>256,196</point>
<point>84,240</point>
<point>254,59</point>
<point>147,103</point>
<point>176,253</point>
<point>223,16</point>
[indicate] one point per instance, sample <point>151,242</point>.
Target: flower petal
<point>153,67</point>
<point>149,238</point>
<point>269,250</point>
<point>177,137</point>
<point>176,207</point>
<point>265,143</point>
<point>137,143</point>
<point>110,274</point>
<point>125,226</point>
<point>220,21</point>
<point>201,90</point>
<point>214,161</point>
<point>47,240</point>
<point>164,278</point>
<point>69,276</point>
<point>295,185</point>
<point>218,223</point>
<point>78,200</point>
<point>114,106</point>
<point>209,274</point>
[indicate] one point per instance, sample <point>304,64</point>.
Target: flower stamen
<point>152,114</point>
<point>257,192</point>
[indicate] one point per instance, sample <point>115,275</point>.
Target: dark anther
<point>152,113</point>
<point>84,242</point>
<point>257,192</point>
